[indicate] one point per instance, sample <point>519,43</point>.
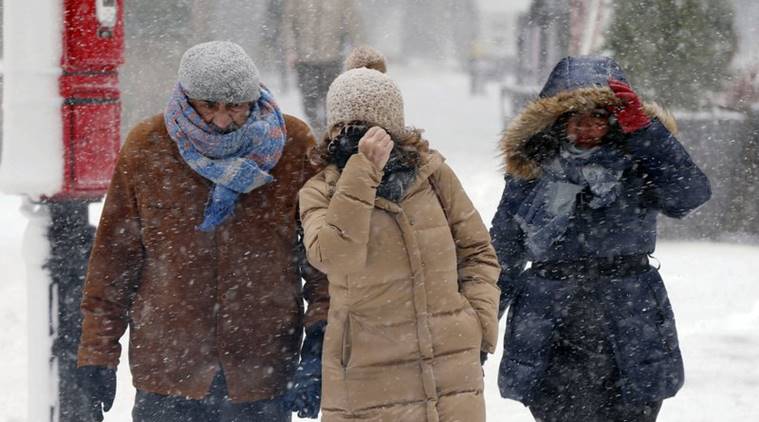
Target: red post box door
<point>92,144</point>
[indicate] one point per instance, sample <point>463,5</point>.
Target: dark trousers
<point>581,383</point>
<point>215,407</point>
<point>313,81</point>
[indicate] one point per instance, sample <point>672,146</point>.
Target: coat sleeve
<point>336,228</point>
<point>677,184</point>
<point>316,286</point>
<point>508,241</point>
<point>114,269</point>
<point>477,262</point>
<point>315,290</point>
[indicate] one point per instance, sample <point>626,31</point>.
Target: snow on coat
<point>196,302</point>
<point>661,178</point>
<point>413,294</point>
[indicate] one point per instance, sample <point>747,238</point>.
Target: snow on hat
<point>219,71</point>
<point>364,94</point>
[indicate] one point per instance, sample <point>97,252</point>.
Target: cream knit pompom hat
<point>364,94</point>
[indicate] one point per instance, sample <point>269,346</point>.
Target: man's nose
<point>222,119</point>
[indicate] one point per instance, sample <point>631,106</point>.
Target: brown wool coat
<point>413,298</point>
<point>197,302</point>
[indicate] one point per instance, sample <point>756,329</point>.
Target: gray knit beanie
<point>367,95</point>
<point>219,71</point>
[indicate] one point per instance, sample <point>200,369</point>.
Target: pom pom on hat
<point>365,57</point>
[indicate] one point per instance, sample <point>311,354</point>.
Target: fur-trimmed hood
<point>576,84</point>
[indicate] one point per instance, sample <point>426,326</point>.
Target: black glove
<point>343,147</point>
<point>99,386</point>
<point>305,394</point>
<point>483,357</point>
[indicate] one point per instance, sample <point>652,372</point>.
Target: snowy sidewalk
<point>714,288</point>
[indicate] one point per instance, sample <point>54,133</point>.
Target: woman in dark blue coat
<point>590,333</point>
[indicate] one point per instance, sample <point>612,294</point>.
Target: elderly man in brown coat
<point>198,253</point>
<point>412,274</point>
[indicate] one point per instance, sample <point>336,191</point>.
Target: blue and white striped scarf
<point>236,162</point>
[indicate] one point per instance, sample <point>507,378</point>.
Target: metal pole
<point>70,236</point>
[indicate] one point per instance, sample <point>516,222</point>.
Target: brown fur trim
<point>665,117</point>
<point>543,112</point>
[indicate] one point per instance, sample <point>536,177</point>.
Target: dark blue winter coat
<point>661,178</point>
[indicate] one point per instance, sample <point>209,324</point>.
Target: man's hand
<point>376,146</point>
<point>304,394</point>
<point>99,386</point>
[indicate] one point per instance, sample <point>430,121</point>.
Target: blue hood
<point>575,84</point>
<point>581,72</point>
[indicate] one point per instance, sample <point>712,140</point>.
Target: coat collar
<point>430,163</point>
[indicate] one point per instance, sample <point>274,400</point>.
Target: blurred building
<point>158,33</point>
<point>546,32</point>
<point>588,20</point>
<point>542,41</point>
<point>553,29</point>
<point>747,29</point>
<point>743,93</point>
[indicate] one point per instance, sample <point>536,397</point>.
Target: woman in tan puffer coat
<point>412,274</point>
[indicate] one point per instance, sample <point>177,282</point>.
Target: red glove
<point>630,114</point>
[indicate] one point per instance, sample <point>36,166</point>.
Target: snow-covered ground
<point>714,288</point>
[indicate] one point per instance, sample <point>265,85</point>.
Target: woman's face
<point>588,129</point>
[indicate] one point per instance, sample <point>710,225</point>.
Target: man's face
<point>587,130</point>
<point>222,117</point>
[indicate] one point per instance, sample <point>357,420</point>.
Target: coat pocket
<point>643,324</point>
<point>469,310</point>
<point>532,320</point>
<point>345,347</point>
<point>666,318</point>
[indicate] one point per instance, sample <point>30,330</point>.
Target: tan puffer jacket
<point>413,299</point>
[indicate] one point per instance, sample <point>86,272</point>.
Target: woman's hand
<point>376,146</point>
<point>630,114</point>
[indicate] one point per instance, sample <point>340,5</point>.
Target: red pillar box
<point>93,47</point>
